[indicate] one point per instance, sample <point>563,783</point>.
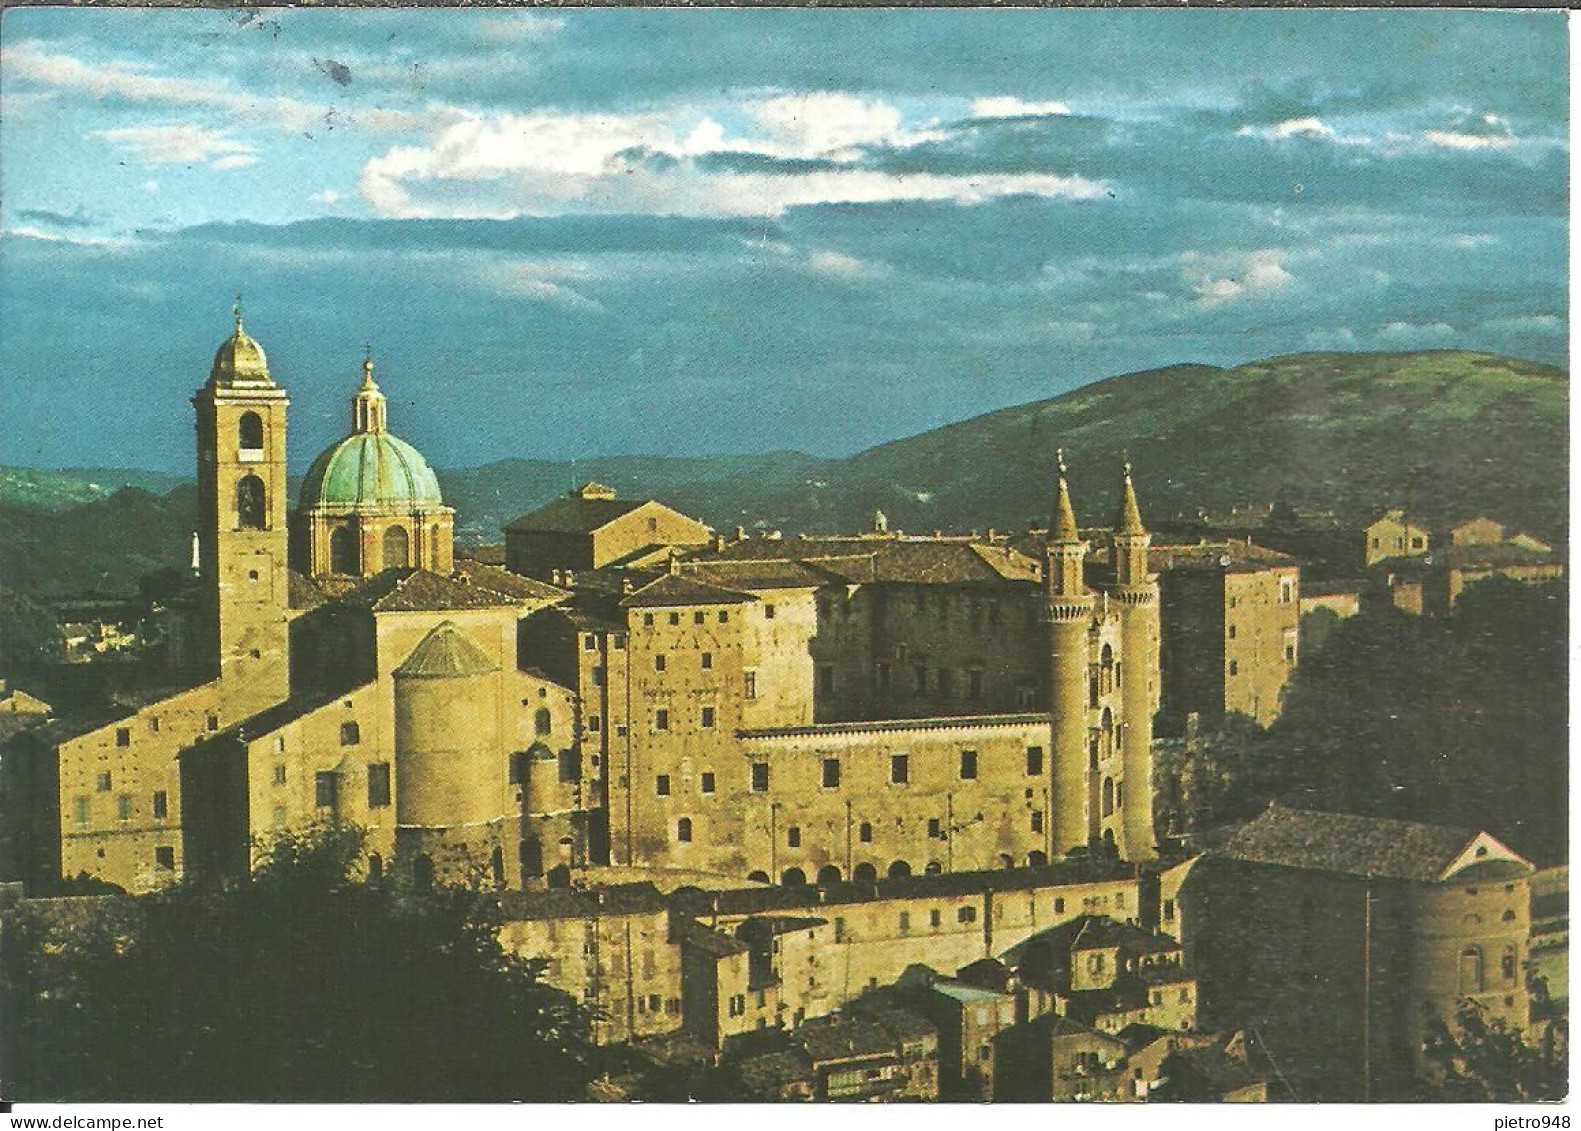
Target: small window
<point>708,781</point>
<point>793,837</point>
<point>165,858</point>
<point>899,769</point>
<point>699,617</point>
<point>80,807</point>
<point>594,724</point>
<point>590,643</point>
<point>620,641</point>
<point>1034,761</point>
<point>250,432</point>
<point>708,661</point>
<point>570,761</point>
<point>1235,668</point>
<point>1037,820</point>
<point>661,719</point>
<point>153,723</point>
<point>1059,907</point>
<point>724,616</point>
<point>831,773</point>
<point>518,768</point>
<point>708,718</point>
<point>865,833</point>
<point>350,734</point>
<point>683,830</point>
<point>379,785</point>
<point>935,918</point>
<point>104,781</point>
<point>768,612</point>
<point>662,785</point>
<point>658,662</point>
<point>966,915</point>
<point>123,736</point>
<point>279,774</point>
<point>598,677</point>
<point>968,765</point>
<point>1231,631</point>
<point>123,807</point>
<point>675,618</point>
<point>325,789</point>
<point>749,685</point>
<point>161,805</point>
<point>647,620</point>
<point>935,828</point>
<point>905,921</point>
<point>1169,909</point>
<point>760,777</point>
<point>542,722</point>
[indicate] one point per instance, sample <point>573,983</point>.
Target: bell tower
<point>1136,591</point>
<point>242,564</point>
<point>1070,610</point>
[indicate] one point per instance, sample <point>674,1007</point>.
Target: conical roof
<point>446,653</point>
<point>1129,518</point>
<point>1063,527</point>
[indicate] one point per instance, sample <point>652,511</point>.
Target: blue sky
<point>684,232</point>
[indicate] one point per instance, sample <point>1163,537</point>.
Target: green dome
<point>373,469</point>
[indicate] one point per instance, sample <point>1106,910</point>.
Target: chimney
<point>719,543</point>
<point>741,534</point>
<point>554,576</point>
<point>625,586</point>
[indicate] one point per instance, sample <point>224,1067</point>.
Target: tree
<point>1480,1059</point>
<point>298,984</point>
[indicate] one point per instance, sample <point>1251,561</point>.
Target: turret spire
<point>368,406</point>
<point>1129,520</point>
<point>1063,527</point>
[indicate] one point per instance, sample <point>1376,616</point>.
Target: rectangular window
<point>658,662</point>
<point>905,921</point>
<point>279,774</point>
<point>594,724</point>
<point>968,765</point>
<point>598,677</point>
<point>899,769</point>
<point>839,929</point>
<point>708,661</point>
<point>123,736</point>
<point>80,805</point>
<point>214,722</point>
<point>749,685</point>
<point>165,858</point>
<point>1235,667</point>
<point>647,620</point>
<point>324,789</point>
<point>724,616</point>
<point>378,785</point>
<point>662,785</point>
<point>1037,820</point>
<point>935,828</point>
<point>570,766</point>
<point>590,643</point>
<point>661,719</point>
<point>708,718</point>
<point>123,807</point>
<point>161,805</point>
<point>865,832</point>
<point>518,768</point>
<point>698,616</point>
<point>768,612</point>
<point>831,773</point>
<point>1034,760</point>
<point>1059,907</point>
<point>708,782</point>
<point>760,777</point>
<point>350,734</point>
<point>1290,653</point>
<point>793,837</point>
<point>1169,910</point>
<point>620,641</point>
<point>104,781</point>
<point>935,918</point>
<point>1231,631</point>
<point>826,679</point>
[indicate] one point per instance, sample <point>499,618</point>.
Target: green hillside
<point>1342,432</point>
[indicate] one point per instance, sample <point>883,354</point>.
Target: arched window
<point>541,722</point>
<point>343,552</point>
<point>1106,657</point>
<point>758,877</point>
<point>1108,839</point>
<point>250,505</point>
<point>932,868</point>
<point>864,873</point>
<point>1108,720</point>
<point>794,878</point>
<point>1508,966</point>
<point>683,830</point>
<point>1006,860</point>
<point>1037,859</point>
<point>1108,796</point>
<point>828,874</point>
<point>899,870</point>
<point>1471,970</point>
<point>397,548</point>
<point>249,432</point>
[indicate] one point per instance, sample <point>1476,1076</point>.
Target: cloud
<point>838,265</point>
<point>821,123</point>
<point>181,145</point>
<point>1415,333</point>
<point>1294,127</point>
<point>1528,324</point>
<point>1008,106</point>
<point>76,220</point>
<point>328,197</point>
<point>1222,279</point>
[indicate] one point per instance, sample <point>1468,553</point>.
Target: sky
<point>580,233</point>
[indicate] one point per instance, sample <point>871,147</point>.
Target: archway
<point>250,504</point>
<point>864,873</point>
<point>828,874</point>
<point>758,877</point>
<point>250,432</point>
<point>794,878</point>
<point>1006,860</point>
<point>934,868</point>
<point>899,870</point>
<point>343,552</point>
<point>397,548</point>
<point>1036,859</point>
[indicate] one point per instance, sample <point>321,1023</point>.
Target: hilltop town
<point>875,815</point>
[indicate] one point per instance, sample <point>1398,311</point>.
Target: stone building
<point>590,529</point>
<point>1339,937</point>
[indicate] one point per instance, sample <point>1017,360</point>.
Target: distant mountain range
<point>1437,432</point>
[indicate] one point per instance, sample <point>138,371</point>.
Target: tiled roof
<point>758,574</point>
<point>488,555</point>
<point>572,514</point>
<point>507,584</point>
<point>917,561</point>
<point>575,903</point>
<point>964,993</point>
<point>1234,555</point>
<point>845,1038</point>
<point>302,593</point>
<point>296,707</point>
<point>712,943</point>
<point>672,589</point>
<point>767,1074</point>
<point>444,653</point>
<point>884,726</point>
<point>419,590</point>
<point>1344,842</point>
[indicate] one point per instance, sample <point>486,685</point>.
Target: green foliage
<point>301,984</point>
<point>1209,779</point>
<point>29,633</point>
<point>1480,1059</point>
